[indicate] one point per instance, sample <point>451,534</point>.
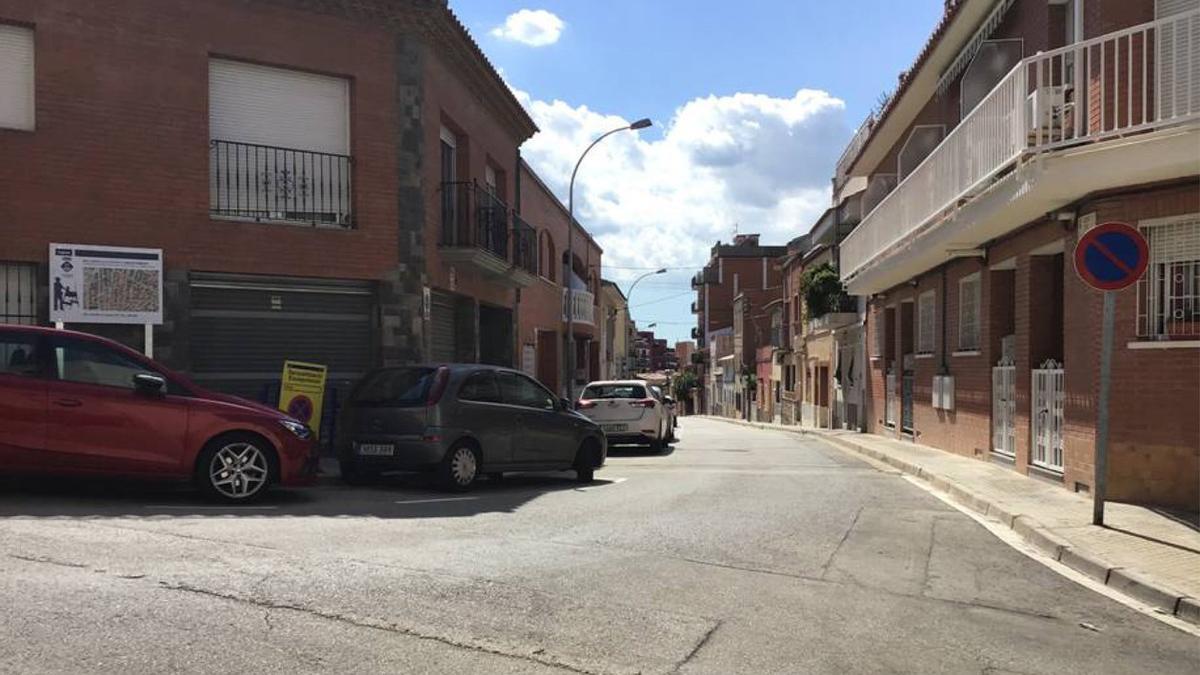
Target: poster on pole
<point>302,392</point>
<point>105,284</point>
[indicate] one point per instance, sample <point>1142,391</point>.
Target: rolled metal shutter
<point>243,331</point>
<point>249,103</point>
<point>443,347</point>
<point>16,78</point>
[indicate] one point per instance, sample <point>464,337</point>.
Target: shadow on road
<point>400,496</point>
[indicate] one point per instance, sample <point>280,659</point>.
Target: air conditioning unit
<point>1045,112</point>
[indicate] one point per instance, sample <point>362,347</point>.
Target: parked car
<point>462,421</point>
<point>672,414</point>
<point>72,403</point>
<point>627,411</point>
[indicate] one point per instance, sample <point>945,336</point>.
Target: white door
<point>1004,408</point>
<point>1047,416</point>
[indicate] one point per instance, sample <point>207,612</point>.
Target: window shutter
<point>926,322</point>
<point>968,313</point>
<point>16,78</point>
<point>282,108</point>
<point>1178,41</point>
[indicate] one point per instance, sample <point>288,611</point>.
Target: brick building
<point>743,268</point>
<point>336,182</point>
<point>1022,125</point>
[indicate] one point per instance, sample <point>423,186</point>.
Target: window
<point>599,391</point>
<point>19,355</point>
<point>88,363</point>
<point>522,391</point>
<point>18,293</point>
<point>480,387</point>
<point>395,387</point>
<point>1169,291</point>
<point>16,78</point>
<point>280,144</point>
<point>968,313</point>
<point>926,322</point>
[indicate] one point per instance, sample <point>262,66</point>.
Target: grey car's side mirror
<point>147,383</point>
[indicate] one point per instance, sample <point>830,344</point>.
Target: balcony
<point>580,306</point>
<point>696,309</point>
<point>525,252</point>
<point>476,232</point>
<point>708,275</point>
<point>832,321</point>
<point>1115,110</point>
<point>261,183</point>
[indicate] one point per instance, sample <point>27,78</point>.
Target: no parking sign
<point>301,392</point>
<point>1109,257</point>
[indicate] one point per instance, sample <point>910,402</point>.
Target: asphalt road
<point>741,551</point>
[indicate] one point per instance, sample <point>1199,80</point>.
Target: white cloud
<point>532,27</point>
<point>759,162</point>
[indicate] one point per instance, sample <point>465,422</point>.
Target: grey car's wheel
<point>460,467</point>
<point>235,468</point>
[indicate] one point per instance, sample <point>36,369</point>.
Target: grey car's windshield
<point>614,391</point>
<point>394,387</point>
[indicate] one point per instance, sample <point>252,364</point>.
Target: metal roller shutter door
<point>241,333</point>
<point>442,348</point>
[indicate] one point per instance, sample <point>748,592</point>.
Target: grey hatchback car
<point>462,421</point>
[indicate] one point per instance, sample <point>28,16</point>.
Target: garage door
<point>442,347</point>
<point>242,331</point>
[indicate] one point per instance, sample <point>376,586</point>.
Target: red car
<point>80,404</point>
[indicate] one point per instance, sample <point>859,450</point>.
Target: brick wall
<point>1155,441</point>
<point>120,154</point>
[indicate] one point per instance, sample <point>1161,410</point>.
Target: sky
<point>752,102</point>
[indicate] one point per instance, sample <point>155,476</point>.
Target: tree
<point>823,290</point>
<point>685,382</point>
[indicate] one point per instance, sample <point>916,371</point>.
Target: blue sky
<point>752,103</point>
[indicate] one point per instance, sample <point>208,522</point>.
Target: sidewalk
<point>1140,553</point>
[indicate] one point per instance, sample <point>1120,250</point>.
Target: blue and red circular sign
<point>1111,256</point>
<point>301,407</point>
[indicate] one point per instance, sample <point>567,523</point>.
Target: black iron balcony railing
<point>525,253</point>
<point>472,217</point>
<point>266,183</point>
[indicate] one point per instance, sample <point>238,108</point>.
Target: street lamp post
<point>640,124</point>
<point>629,295</point>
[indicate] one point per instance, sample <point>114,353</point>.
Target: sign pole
<point>1106,340</point>
<point>149,350</point>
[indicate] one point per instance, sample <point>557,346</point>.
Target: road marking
<point>434,501</point>
<point>611,482</point>
<point>211,508</point>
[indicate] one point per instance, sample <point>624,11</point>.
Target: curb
<point>1028,528</point>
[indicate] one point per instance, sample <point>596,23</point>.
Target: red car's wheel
<point>236,468</point>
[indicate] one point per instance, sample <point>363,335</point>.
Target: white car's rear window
<point>595,391</point>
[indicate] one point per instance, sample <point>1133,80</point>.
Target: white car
<point>672,414</point>
<point>627,411</point>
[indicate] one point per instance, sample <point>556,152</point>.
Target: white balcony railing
<point>1138,79</point>
<point>580,306</point>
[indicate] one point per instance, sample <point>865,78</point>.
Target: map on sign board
<point>105,284</point>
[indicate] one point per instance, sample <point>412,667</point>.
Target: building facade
<point>743,267</point>
<point>337,183</point>
<point>1022,125</point>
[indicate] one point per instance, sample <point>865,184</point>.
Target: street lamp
<point>640,124</point>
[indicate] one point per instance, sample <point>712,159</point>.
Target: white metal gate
<point>889,401</point>
<point>1004,408</point>
<point>1048,416</point>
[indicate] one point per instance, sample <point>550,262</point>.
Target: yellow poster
<point>302,391</point>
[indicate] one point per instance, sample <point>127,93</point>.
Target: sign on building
<point>105,284</point>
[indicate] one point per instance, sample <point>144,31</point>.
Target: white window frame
<point>18,72</point>
<point>1155,294</point>
<point>926,342</point>
<point>975,279</point>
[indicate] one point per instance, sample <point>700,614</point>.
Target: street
<point>739,550</point>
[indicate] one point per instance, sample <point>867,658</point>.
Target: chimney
<point>746,240</point>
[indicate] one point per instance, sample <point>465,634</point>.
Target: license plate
<point>376,449</point>
<point>611,428</point>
